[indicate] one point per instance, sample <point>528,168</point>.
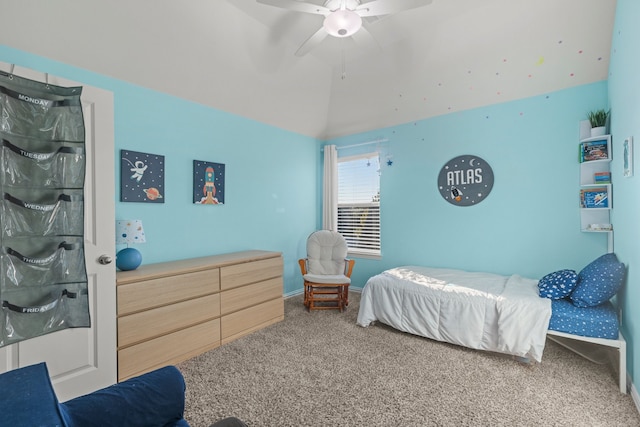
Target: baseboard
<point>634,393</point>
<point>293,293</point>
<point>299,292</point>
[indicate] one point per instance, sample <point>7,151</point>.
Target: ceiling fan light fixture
<point>342,23</point>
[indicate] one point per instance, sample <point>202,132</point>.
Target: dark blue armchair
<point>153,399</point>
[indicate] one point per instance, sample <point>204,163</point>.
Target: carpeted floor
<point>321,369</point>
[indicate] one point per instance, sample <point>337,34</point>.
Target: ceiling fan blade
<point>387,7</point>
<point>312,42</point>
<point>298,6</point>
<point>364,37</point>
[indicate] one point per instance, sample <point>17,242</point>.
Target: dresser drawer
<point>245,296</point>
<point>250,319</point>
<point>168,349</point>
<point>159,321</point>
<point>250,272</point>
<point>147,294</point>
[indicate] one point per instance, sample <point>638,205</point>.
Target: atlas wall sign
<point>465,180</point>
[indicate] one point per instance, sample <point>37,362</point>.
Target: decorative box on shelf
<point>599,227</point>
<point>598,149</point>
<point>594,197</point>
<point>602,177</point>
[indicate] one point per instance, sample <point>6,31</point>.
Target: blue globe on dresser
<point>128,259</point>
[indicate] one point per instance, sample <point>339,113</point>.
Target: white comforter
<point>483,311</point>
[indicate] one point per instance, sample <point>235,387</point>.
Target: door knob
<point>105,259</point>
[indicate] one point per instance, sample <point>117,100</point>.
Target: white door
<point>82,360</point>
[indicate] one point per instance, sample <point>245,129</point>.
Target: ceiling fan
<point>343,18</point>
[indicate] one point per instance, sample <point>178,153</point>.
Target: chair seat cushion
<point>331,279</point>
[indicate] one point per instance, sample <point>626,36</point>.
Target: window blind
<point>359,202</point>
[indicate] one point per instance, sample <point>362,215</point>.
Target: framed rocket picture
<point>208,183</point>
<point>141,177</point>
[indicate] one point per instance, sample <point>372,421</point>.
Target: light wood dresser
<point>169,312</point>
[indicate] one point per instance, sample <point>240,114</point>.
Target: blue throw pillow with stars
<point>557,285</point>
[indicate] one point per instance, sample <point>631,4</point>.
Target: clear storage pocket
<point>62,217</point>
<point>38,311</point>
<point>52,263</point>
<point>41,116</point>
<point>62,168</point>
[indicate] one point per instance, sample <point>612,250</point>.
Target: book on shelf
<point>599,227</point>
<point>594,197</point>
<point>594,150</point>
<point>602,177</point>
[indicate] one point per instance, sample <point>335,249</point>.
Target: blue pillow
<point>558,284</point>
<point>598,281</point>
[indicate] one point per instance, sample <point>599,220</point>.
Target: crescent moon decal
<point>471,162</point>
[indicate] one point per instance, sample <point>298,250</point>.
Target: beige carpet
<point>321,369</point>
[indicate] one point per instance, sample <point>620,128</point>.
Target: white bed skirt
<point>482,311</point>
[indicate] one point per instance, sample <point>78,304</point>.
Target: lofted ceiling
<point>238,55</point>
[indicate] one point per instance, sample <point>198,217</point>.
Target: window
<point>359,203</point>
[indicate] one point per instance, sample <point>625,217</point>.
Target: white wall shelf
<point>596,188</point>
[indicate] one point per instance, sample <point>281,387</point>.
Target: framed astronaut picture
<point>141,177</point>
<point>208,183</point>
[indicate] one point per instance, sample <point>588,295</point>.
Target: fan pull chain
<point>344,64</point>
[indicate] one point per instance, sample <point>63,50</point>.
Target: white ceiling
<point>238,55</point>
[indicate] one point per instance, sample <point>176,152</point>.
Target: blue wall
<point>528,225</point>
<point>270,200</point>
<point>624,95</point>
<point>269,189</point>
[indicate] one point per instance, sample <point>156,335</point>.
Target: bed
<point>504,314</point>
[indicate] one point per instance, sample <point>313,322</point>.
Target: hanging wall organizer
<point>43,286</point>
